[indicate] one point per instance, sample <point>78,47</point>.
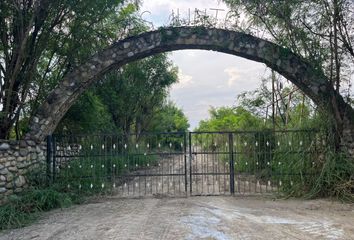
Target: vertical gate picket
<point>231,164</point>
<point>185,162</point>
<point>190,163</point>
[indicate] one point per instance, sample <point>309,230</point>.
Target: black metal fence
<point>253,161</point>
<point>181,164</point>
<point>150,164</point>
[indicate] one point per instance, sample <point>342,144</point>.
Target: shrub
<point>24,208</point>
<point>336,178</point>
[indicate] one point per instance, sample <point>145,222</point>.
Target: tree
<point>169,118</point>
<point>134,93</point>
<point>89,115</point>
<point>290,108</point>
<point>320,31</point>
<point>128,101</point>
<point>230,119</point>
<point>42,40</point>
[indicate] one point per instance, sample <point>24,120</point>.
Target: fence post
<point>185,163</point>
<point>190,162</point>
<point>232,164</point>
<point>49,157</point>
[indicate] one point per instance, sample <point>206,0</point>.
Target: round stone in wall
<point>4,146</point>
<point>20,181</point>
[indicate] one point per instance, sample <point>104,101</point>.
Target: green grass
<point>335,179</point>
<point>24,208</point>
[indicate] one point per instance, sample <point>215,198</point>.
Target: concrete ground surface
<point>212,218</point>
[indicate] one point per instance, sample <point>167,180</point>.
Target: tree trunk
<point>273,99</point>
<point>5,127</point>
<point>344,124</point>
<point>347,138</point>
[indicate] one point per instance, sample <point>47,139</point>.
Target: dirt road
<point>218,218</point>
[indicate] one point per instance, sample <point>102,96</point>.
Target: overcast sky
<point>206,78</point>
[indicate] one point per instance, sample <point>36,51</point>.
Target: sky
<point>206,78</point>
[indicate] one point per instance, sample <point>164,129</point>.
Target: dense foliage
<point>25,208</point>
<point>320,31</point>
<point>230,119</point>
<point>257,110</point>
<point>130,100</point>
<point>43,40</point>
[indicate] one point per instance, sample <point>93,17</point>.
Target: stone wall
<point>17,158</point>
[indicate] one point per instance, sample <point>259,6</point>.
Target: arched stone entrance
<point>301,73</point>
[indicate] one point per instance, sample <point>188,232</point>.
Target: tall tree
<point>129,100</point>
<point>89,115</point>
<point>41,40</point>
<point>133,93</point>
<point>320,31</point>
<point>169,118</point>
<point>289,108</point>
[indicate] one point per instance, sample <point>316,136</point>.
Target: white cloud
<point>234,75</point>
<point>191,54</point>
<point>184,80</point>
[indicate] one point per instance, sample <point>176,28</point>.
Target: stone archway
<point>301,73</point>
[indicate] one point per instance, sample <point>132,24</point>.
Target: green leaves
<point>230,119</point>
<point>56,37</point>
<point>88,115</point>
<point>312,29</point>
<point>169,118</point>
<point>134,93</point>
<point>129,100</point>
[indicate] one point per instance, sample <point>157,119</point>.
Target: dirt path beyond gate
<point>217,218</point>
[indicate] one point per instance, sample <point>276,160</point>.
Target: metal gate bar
<point>174,164</point>
<point>150,164</point>
<point>211,163</point>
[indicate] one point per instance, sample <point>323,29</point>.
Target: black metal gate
<point>181,164</point>
<point>211,163</point>
<point>148,164</point>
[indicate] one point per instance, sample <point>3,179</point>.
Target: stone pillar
<point>16,159</point>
